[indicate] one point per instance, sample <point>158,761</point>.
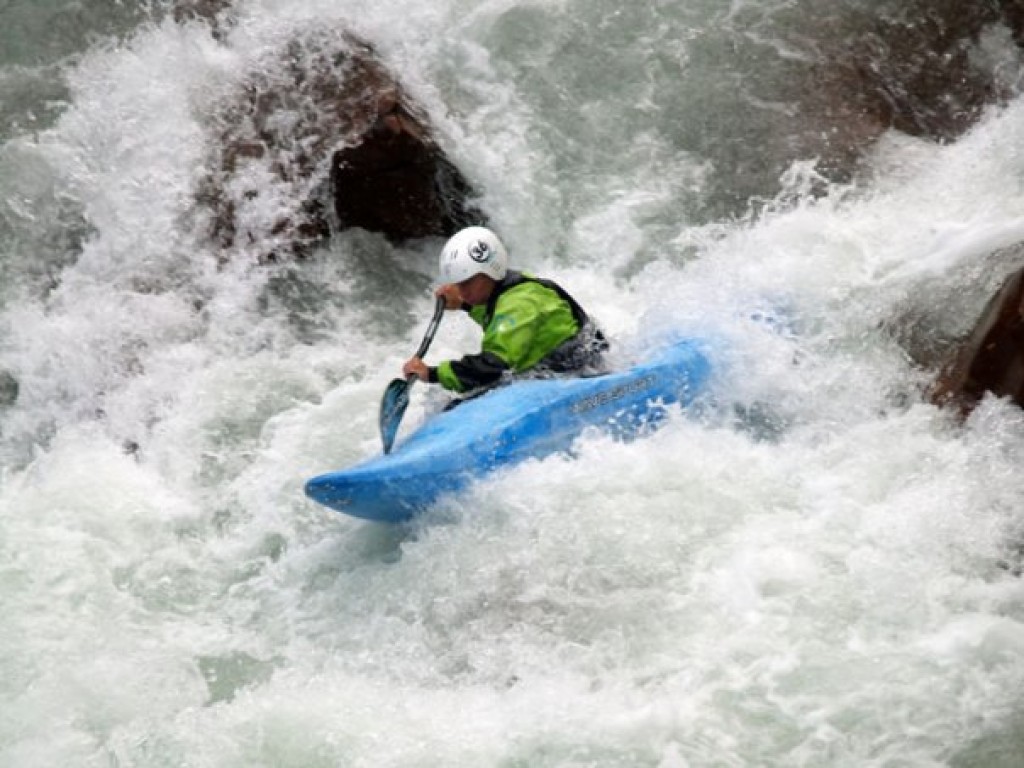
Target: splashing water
<point>817,568</point>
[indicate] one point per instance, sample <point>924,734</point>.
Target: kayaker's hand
<point>451,294</point>
<point>416,367</point>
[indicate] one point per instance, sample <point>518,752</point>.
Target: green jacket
<point>524,321</point>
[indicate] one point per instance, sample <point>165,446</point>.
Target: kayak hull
<point>527,419</point>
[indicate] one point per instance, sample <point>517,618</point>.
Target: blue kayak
<point>526,419</point>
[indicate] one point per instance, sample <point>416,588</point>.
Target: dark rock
<point>992,358</point>
<point>324,135</point>
<point>910,65</point>
<point>821,82</point>
<point>207,10</point>
<point>1012,15</point>
<point>917,69</point>
<point>398,182</point>
<point>940,311</point>
<point>214,12</point>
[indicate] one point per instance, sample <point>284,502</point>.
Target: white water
<point>817,583</point>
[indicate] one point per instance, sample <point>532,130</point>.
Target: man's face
<point>476,289</point>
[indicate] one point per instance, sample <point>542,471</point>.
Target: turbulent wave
<point>815,568</point>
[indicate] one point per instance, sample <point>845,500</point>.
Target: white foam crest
<point>807,581</point>
<point>136,182</point>
<point>94,582</point>
<point>709,582</point>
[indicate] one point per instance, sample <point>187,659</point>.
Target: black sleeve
<point>479,370</point>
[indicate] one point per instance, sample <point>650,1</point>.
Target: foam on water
<point>815,568</point>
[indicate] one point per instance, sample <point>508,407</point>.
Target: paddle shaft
<point>435,321</point>
<point>396,396</point>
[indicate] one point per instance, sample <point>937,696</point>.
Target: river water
<point>815,567</point>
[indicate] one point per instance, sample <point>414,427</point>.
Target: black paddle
<point>396,396</point>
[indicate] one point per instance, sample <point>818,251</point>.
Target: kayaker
<point>531,325</point>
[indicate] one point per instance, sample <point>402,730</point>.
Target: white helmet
<point>473,251</point>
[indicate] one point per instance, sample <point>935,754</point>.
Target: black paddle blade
<point>392,408</point>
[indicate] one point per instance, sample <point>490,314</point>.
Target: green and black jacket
<point>528,322</point>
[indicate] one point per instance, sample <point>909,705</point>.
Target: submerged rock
<point>817,84</point>
<point>211,11</point>
<point>324,136</point>
<point>918,67</point>
<point>185,10</point>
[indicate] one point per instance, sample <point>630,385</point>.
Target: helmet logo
<point>480,252</point>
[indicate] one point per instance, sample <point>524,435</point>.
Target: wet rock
<point>214,12</point>
<point>1011,13</point>
<point>323,137</point>
<point>208,10</point>
<point>992,357</point>
<point>917,66</point>
<point>398,182</point>
<point>820,83</point>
